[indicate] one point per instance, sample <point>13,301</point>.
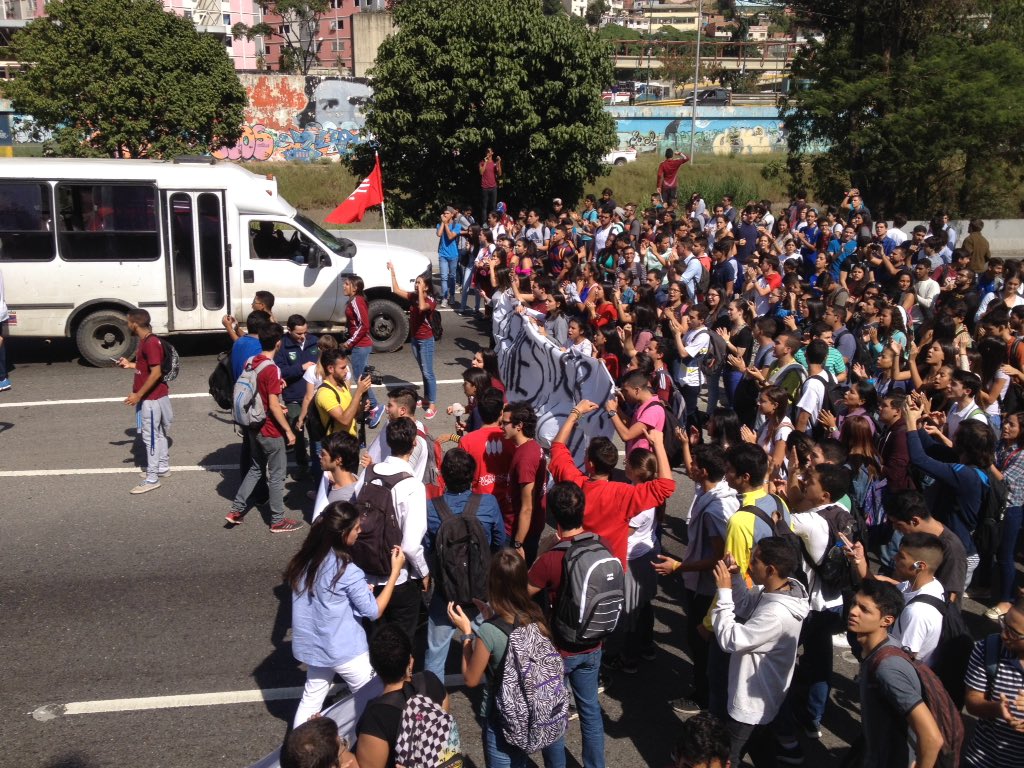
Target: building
<point>334,37</point>
<point>575,7</point>
<point>217,17</point>
<point>666,13</point>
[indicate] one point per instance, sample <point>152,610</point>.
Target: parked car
<point>621,156</point>
<point>710,97</point>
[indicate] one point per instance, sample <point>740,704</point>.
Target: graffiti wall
<point>718,130</point>
<point>291,117</point>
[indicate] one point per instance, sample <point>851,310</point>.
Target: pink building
<point>334,37</point>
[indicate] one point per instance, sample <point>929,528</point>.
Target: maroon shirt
<point>149,356</point>
<point>528,466</point>
<point>419,319</point>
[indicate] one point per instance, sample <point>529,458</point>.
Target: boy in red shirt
<point>610,504</point>
<point>492,451</point>
<point>527,476</point>
<point>268,440</point>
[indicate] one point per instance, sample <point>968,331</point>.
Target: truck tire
<point>102,335</point>
<point>389,325</point>
<point>620,161</point>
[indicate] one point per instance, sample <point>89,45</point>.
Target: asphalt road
<point>107,596</point>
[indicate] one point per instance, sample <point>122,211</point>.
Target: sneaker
<point>812,731</point>
<point>994,614</point>
<point>145,487</point>
<point>144,475</point>
<point>790,755</point>
<point>444,303</point>
<point>285,526</point>
<point>5,385</point>
<point>430,413</point>
<point>376,415</point>
<point>685,707</point>
<point>235,518</point>
<point>573,714</point>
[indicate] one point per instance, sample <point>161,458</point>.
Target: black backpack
<point>434,318</point>
<point>463,554</point>
<point>593,591</point>
<point>833,394</point>
<point>170,366</point>
<point>990,513</point>
<point>222,382</point>
<point>949,661</point>
<point>780,529</point>
<point>860,352</point>
<point>834,571</point>
<point>714,361</point>
<point>378,522</point>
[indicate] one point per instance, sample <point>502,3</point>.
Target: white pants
<point>356,673</point>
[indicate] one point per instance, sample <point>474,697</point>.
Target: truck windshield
<point>339,245</point>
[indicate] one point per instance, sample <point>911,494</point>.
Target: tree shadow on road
<point>280,669</point>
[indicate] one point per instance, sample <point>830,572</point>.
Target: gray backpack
<point>246,404</point>
<point>593,591</point>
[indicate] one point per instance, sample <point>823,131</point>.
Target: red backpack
<point>432,474</point>
<point>945,712</point>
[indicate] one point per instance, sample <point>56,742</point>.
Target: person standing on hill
<point>668,181</point>
<point>490,172</point>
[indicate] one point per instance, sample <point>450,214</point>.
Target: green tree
<point>299,32</point>
<point>595,10</point>
<point>444,92</point>
<point>121,78</point>
<point>553,7</point>
<point>920,109</point>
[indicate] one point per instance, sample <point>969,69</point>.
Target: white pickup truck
<point>620,156</point>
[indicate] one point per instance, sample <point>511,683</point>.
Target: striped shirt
<point>994,744</point>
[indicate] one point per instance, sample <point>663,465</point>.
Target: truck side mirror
<point>316,258</point>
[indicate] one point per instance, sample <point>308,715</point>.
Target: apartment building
<point>334,37</point>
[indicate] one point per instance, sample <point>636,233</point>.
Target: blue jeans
<point>423,351</point>
<point>583,671</point>
<point>360,356</point>
<point>498,753</point>
<point>447,267</point>
<point>714,385</point>
<point>4,327</point>
<point>439,635</point>
<point>1007,549</point>
<point>732,380</point>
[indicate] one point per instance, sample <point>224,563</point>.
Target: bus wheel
<point>104,335</point>
<point>389,325</point>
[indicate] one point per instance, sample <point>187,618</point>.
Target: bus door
<point>198,287</point>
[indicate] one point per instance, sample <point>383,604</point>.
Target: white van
<point>190,240</point>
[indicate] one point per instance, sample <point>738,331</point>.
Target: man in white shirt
<point>813,392</point>
<point>692,268</point>
<point>401,402</point>
<point>925,288</point>
<point>410,501</point>
<point>962,391</point>
<point>812,495</point>
<point>692,343</point>
<point>896,232</point>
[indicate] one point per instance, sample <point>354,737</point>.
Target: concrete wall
<point>368,31</point>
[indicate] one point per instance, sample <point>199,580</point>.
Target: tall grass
<point>317,188</point>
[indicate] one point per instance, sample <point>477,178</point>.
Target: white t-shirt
<point>641,534</point>
<point>761,303</point>
<point>993,409</point>
<point>920,625</point>
<point>4,312</point>
<point>767,440</point>
<point>812,396</point>
<point>813,529</point>
<point>696,343</point>
<point>583,347</point>
<point>957,415</point>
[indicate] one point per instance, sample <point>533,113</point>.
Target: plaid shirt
<point>1011,463</point>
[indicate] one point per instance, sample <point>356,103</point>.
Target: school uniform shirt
<point>419,319</point>
<point>994,744</point>
<point>708,519</point>
<point>149,356</point>
<point>696,343</point>
<point>919,626</point>
<point>812,396</point>
<point>268,385</point>
<point>956,415</point>
<point>493,453</point>
<point>528,465</point>
<point>812,528</point>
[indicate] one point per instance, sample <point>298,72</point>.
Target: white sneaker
<point>444,303</point>
<point>144,475</point>
<point>145,487</point>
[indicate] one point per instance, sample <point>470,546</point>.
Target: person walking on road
<point>267,441</point>
<point>329,597</point>
<point>298,353</point>
<point>421,304</point>
<point>150,398</point>
<point>359,343</point>
<point>448,230</point>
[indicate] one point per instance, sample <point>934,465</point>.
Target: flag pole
<point>383,216</point>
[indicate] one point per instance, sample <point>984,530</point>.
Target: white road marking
<point>115,470</point>
<point>186,395</point>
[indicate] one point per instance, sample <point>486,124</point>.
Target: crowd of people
<point>845,398</point>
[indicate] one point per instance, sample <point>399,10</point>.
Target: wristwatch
<point>516,544</point>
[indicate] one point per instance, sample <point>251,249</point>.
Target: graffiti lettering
<point>642,142</point>
<point>314,142</point>
<point>256,143</point>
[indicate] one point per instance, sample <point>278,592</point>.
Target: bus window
<point>25,222</point>
<point>183,258</point>
<point>275,240</point>
<point>108,222</point>
<point>211,251</point>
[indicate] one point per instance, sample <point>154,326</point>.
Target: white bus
<point>84,241</point>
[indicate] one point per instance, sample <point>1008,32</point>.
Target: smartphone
<point>115,360</point>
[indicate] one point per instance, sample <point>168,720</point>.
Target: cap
<point>620,213</point>
<point>556,201</point>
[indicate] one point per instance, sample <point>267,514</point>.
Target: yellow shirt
<point>329,397</point>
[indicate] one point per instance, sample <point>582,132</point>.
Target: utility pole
<point>696,76</point>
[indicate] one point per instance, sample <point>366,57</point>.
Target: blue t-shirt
<point>244,348</point>
<point>448,247</point>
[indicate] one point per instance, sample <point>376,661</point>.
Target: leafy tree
<point>920,110</point>
<point>595,10</point>
<point>124,78</point>
<point>444,92</point>
<point>300,44</point>
<point>553,7</point>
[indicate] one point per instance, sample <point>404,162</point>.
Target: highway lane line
<point>115,470</point>
<point>187,395</point>
<point>53,711</point>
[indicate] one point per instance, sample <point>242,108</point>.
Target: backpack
<point>170,366</point>
<point>832,394</point>
<point>717,355</point>
<point>673,412</point>
<point>945,712</point>
<point>860,352</point>
<point>428,737</point>
<point>317,430</point>
<point>463,553</point>
<point>246,404</point>
<point>949,662</point>
<point>531,703</point>
<point>990,513</point>
<point>780,529</point>
<point>434,318</point>
<point>432,479</point>
<point>222,382</point>
<point>834,570</point>
<point>704,281</point>
<point>593,591</point>
<point>378,522</point>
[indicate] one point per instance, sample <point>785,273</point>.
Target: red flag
<point>369,193</point>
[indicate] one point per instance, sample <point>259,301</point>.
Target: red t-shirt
<point>150,355</point>
<point>528,466</point>
<point>496,383</point>
<point>610,504</point>
<point>492,452</point>
<point>419,319</point>
<point>668,170</point>
<point>774,280</point>
<point>604,314</point>
<point>488,179</point>
<point>268,384</point>
<point>546,574</point>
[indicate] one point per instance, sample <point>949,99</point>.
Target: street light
<point>696,76</point>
